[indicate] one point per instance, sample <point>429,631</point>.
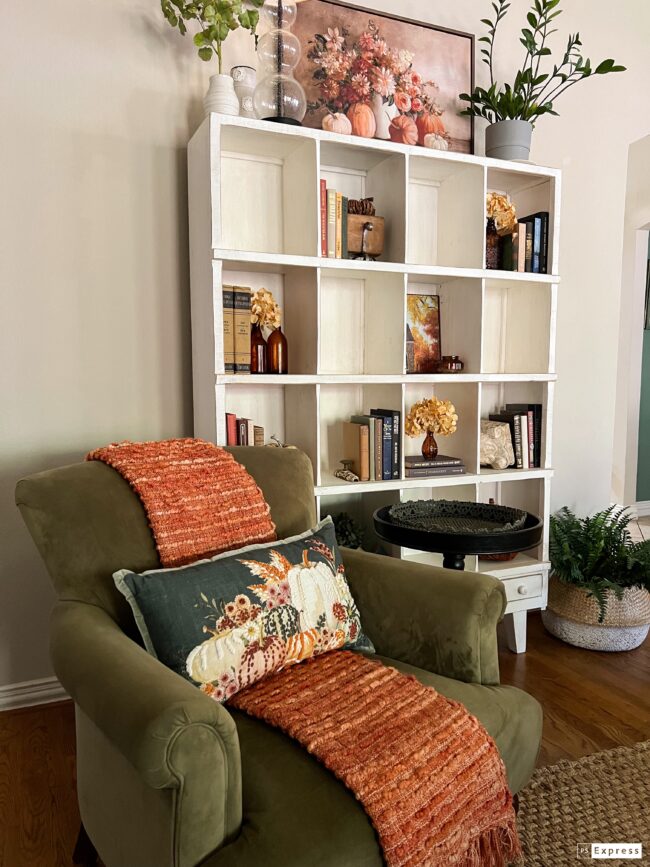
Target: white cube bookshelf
<point>255,221</point>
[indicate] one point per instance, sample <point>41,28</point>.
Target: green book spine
<point>344,229</point>
<point>506,252</point>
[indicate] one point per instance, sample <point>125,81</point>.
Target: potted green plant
<point>215,19</point>
<point>599,588</point>
<point>349,533</point>
<point>513,109</point>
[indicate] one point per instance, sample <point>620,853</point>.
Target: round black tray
<point>455,546</point>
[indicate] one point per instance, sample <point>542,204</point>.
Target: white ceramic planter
<point>384,114</point>
<point>221,96</point>
<point>508,140</point>
<point>589,637</point>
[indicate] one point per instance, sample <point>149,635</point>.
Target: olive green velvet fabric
<point>87,523</point>
<point>437,619</point>
<point>173,735</point>
<point>144,816</point>
<point>237,792</point>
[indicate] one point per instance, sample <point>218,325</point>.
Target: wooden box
<point>374,237</point>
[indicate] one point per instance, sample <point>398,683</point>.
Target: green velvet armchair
<point>166,776</point>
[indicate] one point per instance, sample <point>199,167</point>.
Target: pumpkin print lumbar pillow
<point>227,622</point>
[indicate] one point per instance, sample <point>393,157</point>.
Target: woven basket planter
<point>572,616</point>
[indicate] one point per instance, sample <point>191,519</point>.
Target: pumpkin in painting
<point>218,655</point>
<point>429,124</point>
<point>362,120</point>
<point>404,130</point>
<point>436,142</point>
<point>261,658</point>
<point>301,646</point>
<point>337,123</point>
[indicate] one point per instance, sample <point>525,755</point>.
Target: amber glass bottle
<point>278,359</point>
<point>259,362</point>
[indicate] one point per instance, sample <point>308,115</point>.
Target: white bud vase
<point>221,96</point>
<point>244,78</point>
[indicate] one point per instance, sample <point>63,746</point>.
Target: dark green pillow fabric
<point>229,621</point>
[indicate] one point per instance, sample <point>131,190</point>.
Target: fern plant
<point>533,91</point>
<point>348,532</point>
<point>598,555</point>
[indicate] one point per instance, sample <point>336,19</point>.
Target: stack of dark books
<point>418,467</point>
<point>372,443</point>
<point>527,249</point>
<point>525,421</point>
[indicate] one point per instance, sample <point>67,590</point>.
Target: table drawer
<point>523,587</point>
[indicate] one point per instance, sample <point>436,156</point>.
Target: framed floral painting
<point>380,76</point>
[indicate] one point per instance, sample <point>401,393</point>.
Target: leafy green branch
<point>216,19</point>
<point>533,92</point>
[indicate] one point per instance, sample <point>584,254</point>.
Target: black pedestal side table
<point>454,547</point>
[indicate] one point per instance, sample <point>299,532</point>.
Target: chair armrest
<point>172,734</point>
<point>437,619</point>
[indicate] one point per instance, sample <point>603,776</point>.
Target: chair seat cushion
<point>297,813</point>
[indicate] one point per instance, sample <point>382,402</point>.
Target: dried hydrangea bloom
<point>432,414</point>
<point>502,211</point>
<point>265,310</point>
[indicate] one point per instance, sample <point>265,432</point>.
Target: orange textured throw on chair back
<point>425,770</point>
<point>198,499</point>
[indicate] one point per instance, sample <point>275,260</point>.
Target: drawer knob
<point>522,590</point>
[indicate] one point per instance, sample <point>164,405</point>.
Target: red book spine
<point>231,429</point>
<point>323,218</point>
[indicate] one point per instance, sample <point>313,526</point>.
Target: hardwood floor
<point>592,702</point>
<point>39,818</point>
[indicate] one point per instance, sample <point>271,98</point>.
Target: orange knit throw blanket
<point>428,775</point>
<point>198,499</point>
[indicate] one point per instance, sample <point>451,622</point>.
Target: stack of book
<point>333,223</point>
<point>373,443</point>
<point>243,431</point>
<point>237,329</point>
<point>418,467</point>
<point>527,248</point>
<point>525,421</point>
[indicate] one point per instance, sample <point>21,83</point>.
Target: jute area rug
<point>604,798</point>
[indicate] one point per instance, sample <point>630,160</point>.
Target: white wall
<point>630,359</point>
<point>97,102</point>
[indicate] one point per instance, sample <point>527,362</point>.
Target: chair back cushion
<point>87,522</point>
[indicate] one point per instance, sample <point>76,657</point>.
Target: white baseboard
<point>642,509</point>
<point>30,693</point>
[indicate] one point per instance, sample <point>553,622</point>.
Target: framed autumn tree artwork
<point>380,76</point>
<point>423,344</point>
